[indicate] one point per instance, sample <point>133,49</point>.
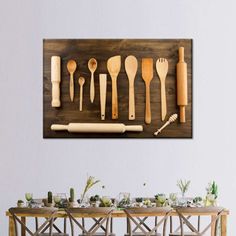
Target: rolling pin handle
<point>135,128</point>
<point>182,114</point>
<point>181,54</point>
<point>59,127</point>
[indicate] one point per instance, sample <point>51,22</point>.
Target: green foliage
<point>197,199</point>
<point>139,199</point>
<point>183,185</point>
<point>72,195</point>
<point>94,198</point>
<point>49,197</point>
<point>20,201</point>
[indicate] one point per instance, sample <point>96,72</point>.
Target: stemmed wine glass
<point>28,197</point>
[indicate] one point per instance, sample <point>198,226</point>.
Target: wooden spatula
<point>147,74</point>
<point>162,69</point>
<point>113,66</point>
<point>131,67</point>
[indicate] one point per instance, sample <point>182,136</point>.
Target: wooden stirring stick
<point>147,74</point>
<point>103,93</point>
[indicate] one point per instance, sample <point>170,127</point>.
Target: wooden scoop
<point>71,67</point>
<point>162,69</point>
<point>92,65</point>
<point>81,84</point>
<point>147,74</point>
<point>113,66</point>
<point>131,67</point>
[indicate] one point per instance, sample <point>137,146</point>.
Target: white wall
<point>30,163</point>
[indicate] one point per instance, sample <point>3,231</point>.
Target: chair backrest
<point>134,214</point>
<point>214,212</point>
<point>102,213</point>
<point>49,213</point>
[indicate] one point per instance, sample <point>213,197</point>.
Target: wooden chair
<point>36,213</point>
<point>184,215</point>
<point>145,230</point>
<point>100,215</point>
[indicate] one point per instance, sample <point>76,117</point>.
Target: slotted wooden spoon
<point>131,67</point>
<point>147,75</point>
<point>162,69</point>
<point>113,67</point>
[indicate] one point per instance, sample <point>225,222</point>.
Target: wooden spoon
<point>81,84</point>
<point>71,67</point>
<point>113,66</point>
<point>147,74</point>
<point>162,69</point>
<point>131,67</point>
<point>92,65</point>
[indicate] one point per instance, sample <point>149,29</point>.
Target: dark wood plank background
<point>82,50</point>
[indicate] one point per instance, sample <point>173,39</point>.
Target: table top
<point>120,213</point>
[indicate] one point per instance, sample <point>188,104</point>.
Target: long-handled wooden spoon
<point>71,67</point>
<point>147,74</point>
<point>92,65</point>
<point>131,67</point>
<point>81,84</point>
<point>113,66</point>
<point>162,69</point>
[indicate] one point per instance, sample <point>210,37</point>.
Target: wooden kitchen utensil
<point>103,93</point>
<point>113,66</point>
<point>171,120</point>
<point>131,67</point>
<point>71,67</point>
<point>81,84</point>
<point>56,80</point>
<point>97,128</point>
<point>182,86</point>
<point>147,74</point>
<point>162,69</point>
<point>92,65</point>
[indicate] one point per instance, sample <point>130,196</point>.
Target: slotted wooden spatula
<point>147,75</point>
<point>131,67</point>
<point>113,67</point>
<point>162,69</point>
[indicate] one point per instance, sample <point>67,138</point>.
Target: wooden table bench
<point>118,214</point>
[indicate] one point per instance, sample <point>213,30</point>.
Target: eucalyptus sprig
<point>89,184</point>
<point>183,185</point>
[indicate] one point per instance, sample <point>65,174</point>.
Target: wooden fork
<point>162,69</point>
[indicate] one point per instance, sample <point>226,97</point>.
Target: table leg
<point>23,220</point>
<point>212,226</point>
<point>223,225</point>
<point>11,226</point>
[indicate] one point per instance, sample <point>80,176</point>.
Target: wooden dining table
<point>120,214</point>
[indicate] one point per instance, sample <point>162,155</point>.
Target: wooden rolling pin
<point>56,80</point>
<point>182,86</point>
<point>97,128</point>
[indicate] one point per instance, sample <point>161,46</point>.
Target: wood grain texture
<point>81,50</point>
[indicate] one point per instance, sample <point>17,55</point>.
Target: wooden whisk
<point>171,120</point>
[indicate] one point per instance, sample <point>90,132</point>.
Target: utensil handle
<point>148,105</point>
<point>81,98</point>
<point>71,87</point>
<point>103,91</point>
<point>56,79</point>
<point>92,89</point>
<point>134,128</point>
<point>163,101</point>
<point>131,102</point>
<point>114,100</point>
<point>56,127</point>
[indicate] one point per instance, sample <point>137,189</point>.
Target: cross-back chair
<point>133,218</point>
<point>184,215</point>
<point>100,215</point>
<point>40,230</point>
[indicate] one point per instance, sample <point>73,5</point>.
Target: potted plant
<point>183,187</point>
<point>212,194</point>
<point>105,202</point>
<point>20,203</point>
<point>160,199</point>
<point>139,201</point>
<point>49,201</point>
<point>72,202</point>
<point>94,200</point>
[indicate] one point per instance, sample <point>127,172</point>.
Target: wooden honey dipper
<point>171,120</point>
